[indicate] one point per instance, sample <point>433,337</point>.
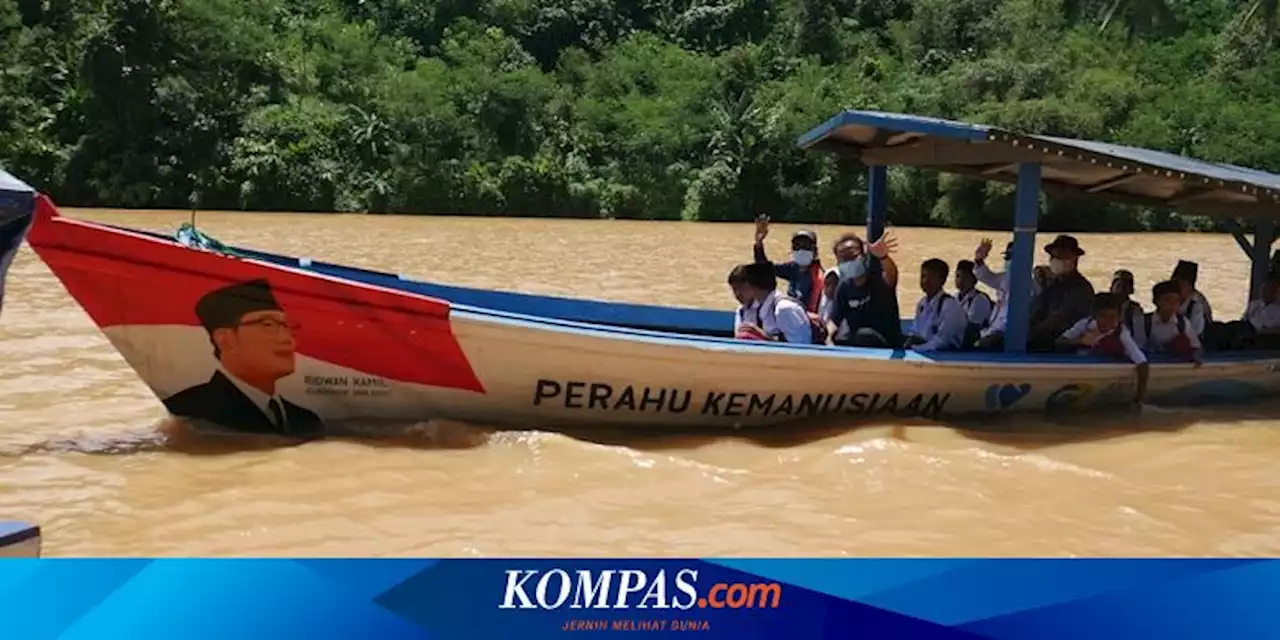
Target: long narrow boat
<point>251,340</point>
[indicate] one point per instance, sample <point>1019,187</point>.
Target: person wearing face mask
<point>992,336</point>
<point>865,310</point>
<point>803,272</point>
<point>1068,297</point>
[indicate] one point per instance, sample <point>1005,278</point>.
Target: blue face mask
<point>855,268</point>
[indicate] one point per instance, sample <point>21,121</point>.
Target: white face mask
<point>802,257</point>
<point>853,268</point>
<point>1059,266</point>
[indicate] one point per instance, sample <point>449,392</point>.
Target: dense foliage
<point>661,109</point>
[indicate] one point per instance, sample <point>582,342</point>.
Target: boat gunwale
<point>944,359</point>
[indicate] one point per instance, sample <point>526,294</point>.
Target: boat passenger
<point>829,283</point>
<point>1102,333</point>
<point>977,305</point>
<point>992,337</point>
<point>940,320</point>
<point>1041,277</point>
<point>765,313</point>
<point>1068,298</point>
<point>865,299</point>
<point>1131,312</point>
<point>1263,316</point>
<point>1194,305</point>
<point>803,272</point>
<point>1166,330</point>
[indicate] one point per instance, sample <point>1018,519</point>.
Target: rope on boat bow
<point>190,236</point>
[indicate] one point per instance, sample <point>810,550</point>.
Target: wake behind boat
<point>262,342</point>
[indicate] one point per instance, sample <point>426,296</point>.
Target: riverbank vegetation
<point>663,109</point>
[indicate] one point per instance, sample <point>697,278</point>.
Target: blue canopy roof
<point>17,198</point>
<point>12,184</point>
<point>1069,167</point>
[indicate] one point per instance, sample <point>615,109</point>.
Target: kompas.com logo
<point>631,588</point>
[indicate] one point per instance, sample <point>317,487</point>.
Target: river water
<point>87,452</point>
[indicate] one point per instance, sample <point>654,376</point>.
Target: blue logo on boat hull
<point>1004,396</point>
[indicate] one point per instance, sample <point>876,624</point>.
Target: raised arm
<point>881,249</point>
<point>762,232</point>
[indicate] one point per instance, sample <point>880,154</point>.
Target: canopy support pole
<point>877,193</point>
<point>1025,222</point>
<point>1264,235</point>
<point>1237,232</point>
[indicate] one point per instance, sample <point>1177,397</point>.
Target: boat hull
<point>362,351</point>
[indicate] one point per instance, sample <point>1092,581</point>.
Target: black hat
<point>1066,243</point>
<point>223,308</point>
<point>1186,270</point>
<point>1008,250</point>
<point>1123,274</point>
<point>805,233</point>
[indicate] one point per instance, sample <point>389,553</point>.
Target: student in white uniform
<point>766,314</point>
<point>1263,316</point>
<point>829,283</point>
<point>1166,330</point>
<point>992,336</point>
<point>1195,306</point>
<point>1131,311</point>
<point>940,321</point>
<point>977,305</point>
<point>1102,334</point>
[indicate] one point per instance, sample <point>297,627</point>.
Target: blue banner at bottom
<point>445,599</point>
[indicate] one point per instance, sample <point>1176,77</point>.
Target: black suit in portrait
<point>220,402</point>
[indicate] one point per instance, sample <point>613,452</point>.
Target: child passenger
<point>1167,330</point>
<point>1103,334</point>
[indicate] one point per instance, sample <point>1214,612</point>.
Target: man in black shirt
<point>864,298</point>
<point>1067,298</point>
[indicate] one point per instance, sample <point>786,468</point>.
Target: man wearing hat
<point>1195,307</point>
<point>254,344</point>
<point>1067,299</point>
<point>803,273</point>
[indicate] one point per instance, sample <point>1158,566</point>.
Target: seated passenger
<point>1168,331</point>
<point>1103,334</point>
<point>940,319</point>
<point>829,284</point>
<point>992,337</point>
<point>1263,317</point>
<point>1131,313</point>
<point>766,314</point>
<point>1194,305</point>
<point>803,272</point>
<point>865,300</point>
<point>976,304</point>
<point>1068,297</point>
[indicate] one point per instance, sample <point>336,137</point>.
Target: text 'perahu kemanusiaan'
<point>600,396</point>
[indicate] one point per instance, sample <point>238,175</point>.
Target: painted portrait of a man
<point>254,343</point>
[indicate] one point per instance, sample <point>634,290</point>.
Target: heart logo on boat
<point>1003,396</point>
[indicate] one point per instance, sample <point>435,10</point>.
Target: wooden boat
<point>340,343</point>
